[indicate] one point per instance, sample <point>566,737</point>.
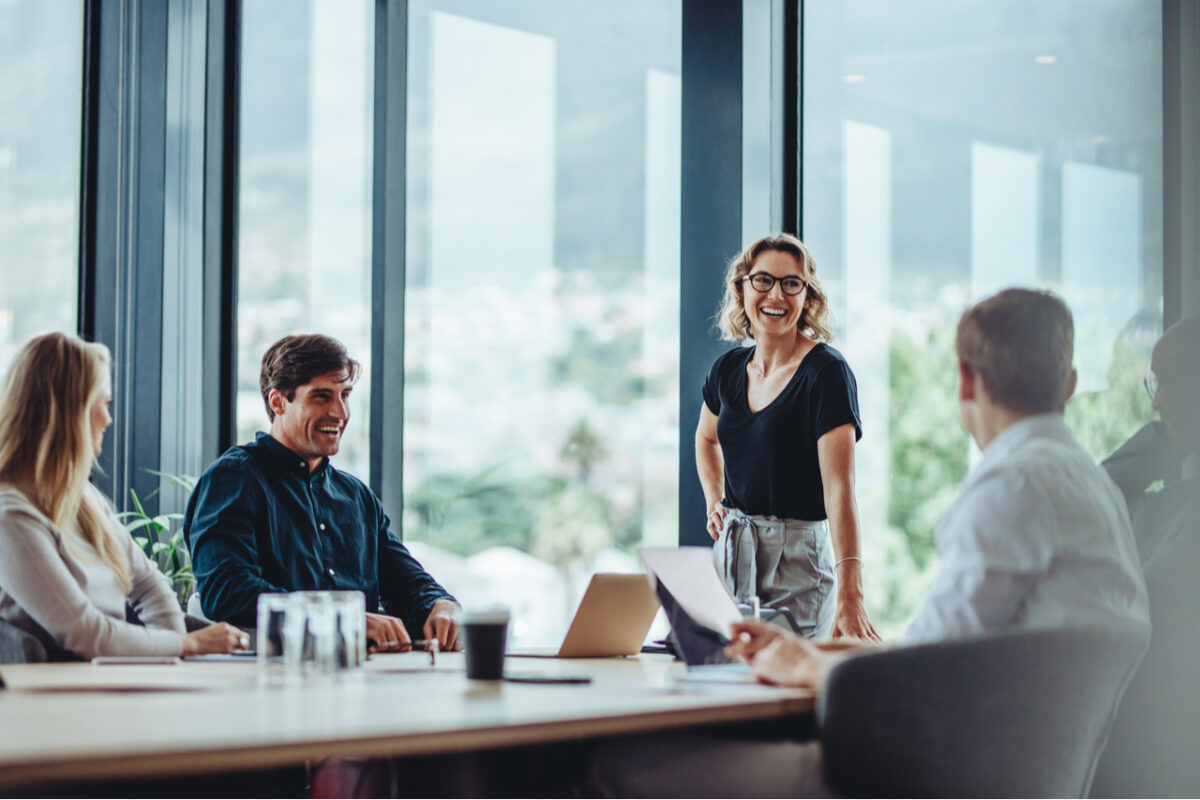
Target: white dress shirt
<point>1038,537</point>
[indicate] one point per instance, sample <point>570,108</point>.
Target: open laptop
<point>700,609</point>
<point>613,619</point>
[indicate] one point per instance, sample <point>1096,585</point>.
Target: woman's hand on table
<point>220,637</point>
<point>851,621</point>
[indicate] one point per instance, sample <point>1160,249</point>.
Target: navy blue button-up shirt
<point>259,522</point>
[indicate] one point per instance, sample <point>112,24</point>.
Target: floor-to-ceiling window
<point>41,47</point>
<point>952,149</point>
<point>304,205</point>
<point>542,296</point>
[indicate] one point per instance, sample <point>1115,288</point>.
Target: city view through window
<point>542,298</point>
<point>952,150</point>
<point>39,169</point>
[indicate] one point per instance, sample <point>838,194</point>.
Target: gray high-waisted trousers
<point>786,563</point>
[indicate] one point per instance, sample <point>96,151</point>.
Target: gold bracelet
<point>841,561</point>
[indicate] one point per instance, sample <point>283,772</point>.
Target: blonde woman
<point>775,447</point>
<point>67,567</point>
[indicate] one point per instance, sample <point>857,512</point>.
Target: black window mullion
<point>88,166</point>
<point>387,253</point>
<point>222,132</point>
<point>793,116</point>
<point>710,216</point>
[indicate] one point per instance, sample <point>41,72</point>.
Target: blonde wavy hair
<point>46,441</point>
<point>732,322</point>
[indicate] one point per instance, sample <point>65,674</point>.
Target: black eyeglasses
<point>1151,384</point>
<point>763,281</point>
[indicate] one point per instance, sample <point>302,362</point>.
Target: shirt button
<point>301,464</point>
<point>321,526</point>
<point>331,572</point>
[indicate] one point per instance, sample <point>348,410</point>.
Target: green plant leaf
<point>142,523</point>
<point>186,482</point>
<point>137,504</point>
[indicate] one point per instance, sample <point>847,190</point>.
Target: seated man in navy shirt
<point>275,516</point>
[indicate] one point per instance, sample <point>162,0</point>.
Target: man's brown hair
<point>295,360</point>
<point>1021,342</point>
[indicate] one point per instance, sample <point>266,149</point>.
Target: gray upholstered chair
<point>1155,742</point>
<point>19,647</point>
<point>1009,714</point>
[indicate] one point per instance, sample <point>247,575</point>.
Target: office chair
<point>1155,739</point>
<point>19,647</point>
<point>1007,714</point>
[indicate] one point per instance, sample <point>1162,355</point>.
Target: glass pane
<point>762,118</point>
<point>953,149</point>
<point>304,256</point>
<point>41,51</point>
<point>542,299</point>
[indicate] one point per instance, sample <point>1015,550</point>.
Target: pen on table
<point>430,645</point>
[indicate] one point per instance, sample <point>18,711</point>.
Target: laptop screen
<point>696,644</point>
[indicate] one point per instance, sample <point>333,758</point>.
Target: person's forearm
<point>406,590</point>
<point>231,595</point>
<point>847,553</point>
<point>415,607</point>
<point>710,467</point>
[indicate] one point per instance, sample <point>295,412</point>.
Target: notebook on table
<point>613,619</point>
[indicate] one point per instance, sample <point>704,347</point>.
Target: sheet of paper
<point>691,576</point>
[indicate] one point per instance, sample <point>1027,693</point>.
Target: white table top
<point>78,721</point>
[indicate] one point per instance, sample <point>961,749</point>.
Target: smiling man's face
<point>311,424</point>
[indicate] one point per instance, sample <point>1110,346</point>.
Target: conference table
<point>62,723</point>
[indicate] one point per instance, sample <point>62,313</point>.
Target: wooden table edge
<point>149,765</point>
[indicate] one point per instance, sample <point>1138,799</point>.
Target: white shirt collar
<point>1038,426</point>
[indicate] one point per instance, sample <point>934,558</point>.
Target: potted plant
<point>161,537</point>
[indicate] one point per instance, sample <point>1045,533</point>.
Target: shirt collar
<point>287,460</point>
<point>1039,426</point>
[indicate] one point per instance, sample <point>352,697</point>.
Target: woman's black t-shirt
<point>771,464</point>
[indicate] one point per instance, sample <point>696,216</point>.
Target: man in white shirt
<point>1037,538</point>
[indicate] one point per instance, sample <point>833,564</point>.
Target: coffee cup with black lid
<point>485,635</point>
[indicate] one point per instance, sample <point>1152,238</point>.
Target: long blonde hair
<point>731,316</point>
<point>46,440</point>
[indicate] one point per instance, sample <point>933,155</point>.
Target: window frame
<point>122,213</point>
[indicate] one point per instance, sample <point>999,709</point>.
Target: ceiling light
<point>1046,59</point>
<point>854,78</point>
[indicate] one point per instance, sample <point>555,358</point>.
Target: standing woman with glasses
<point>775,447</point>
<point>67,566</point>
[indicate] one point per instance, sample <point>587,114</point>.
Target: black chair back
<point>1007,714</point>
